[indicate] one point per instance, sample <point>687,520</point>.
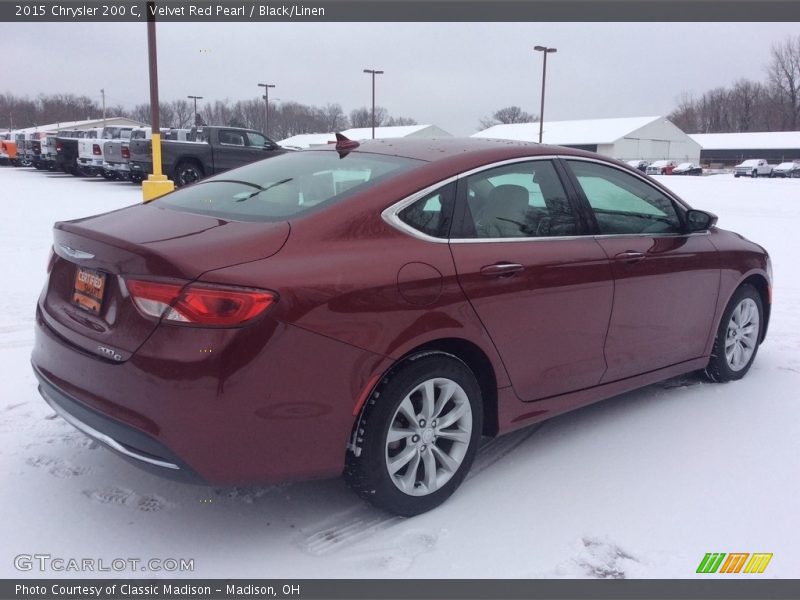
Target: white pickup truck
<point>90,149</point>
<point>754,167</point>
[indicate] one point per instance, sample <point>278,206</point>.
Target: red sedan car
<point>374,309</point>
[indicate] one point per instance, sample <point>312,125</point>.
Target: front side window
<point>256,139</point>
<point>519,200</point>
<point>624,204</point>
<point>287,185</point>
<point>431,214</point>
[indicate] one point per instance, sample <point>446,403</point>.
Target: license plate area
<point>88,289</point>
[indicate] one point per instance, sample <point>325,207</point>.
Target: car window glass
<point>519,200</point>
<point>286,185</point>
<point>431,214</point>
<point>624,204</point>
<point>256,139</point>
<point>232,138</point>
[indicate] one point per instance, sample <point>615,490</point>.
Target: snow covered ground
<point>642,485</point>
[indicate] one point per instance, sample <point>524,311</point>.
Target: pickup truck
<point>140,161</point>
<point>24,151</point>
<point>43,157</point>
<point>67,151</point>
<point>213,150</point>
<point>754,167</point>
<point>90,150</point>
<point>661,167</point>
<point>8,148</point>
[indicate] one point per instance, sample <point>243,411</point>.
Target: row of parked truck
<point>125,153</point>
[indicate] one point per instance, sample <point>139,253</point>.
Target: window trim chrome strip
<point>102,437</point>
<point>391,217</point>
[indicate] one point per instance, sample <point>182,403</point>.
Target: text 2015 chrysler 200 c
<point>374,309</point>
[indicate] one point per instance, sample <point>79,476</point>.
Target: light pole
<point>195,98</point>
<point>373,72</point>
<point>545,51</point>
<point>157,183</point>
<point>266,87</point>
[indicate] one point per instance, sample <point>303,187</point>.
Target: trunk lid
<point>142,241</point>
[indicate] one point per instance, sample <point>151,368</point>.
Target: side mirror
<point>700,220</point>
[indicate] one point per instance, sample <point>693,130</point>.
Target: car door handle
<point>630,256</point>
<point>501,269</point>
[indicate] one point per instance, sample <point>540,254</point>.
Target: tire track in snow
<point>361,522</point>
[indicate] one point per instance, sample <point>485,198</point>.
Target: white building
<point>732,148</point>
<point>308,140</point>
<point>82,125</point>
<point>630,138</point>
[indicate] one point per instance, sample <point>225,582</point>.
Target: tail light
<point>199,304</point>
<point>126,153</point>
<point>96,149</point>
<point>59,147</point>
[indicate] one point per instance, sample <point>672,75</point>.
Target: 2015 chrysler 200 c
<point>374,309</point>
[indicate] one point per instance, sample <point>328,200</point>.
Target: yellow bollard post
<point>157,183</point>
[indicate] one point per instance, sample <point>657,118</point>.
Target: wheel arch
<point>759,282</point>
<point>467,352</point>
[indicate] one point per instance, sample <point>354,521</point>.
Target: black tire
<point>188,172</point>
<point>719,367</point>
<point>136,178</point>
<point>754,174</point>
<point>368,473</point>
<point>736,175</point>
<point>108,175</point>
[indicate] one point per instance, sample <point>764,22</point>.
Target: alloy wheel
<point>429,436</point>
<point>742,336</point>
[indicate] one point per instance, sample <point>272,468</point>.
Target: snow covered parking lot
<point>642,485</point>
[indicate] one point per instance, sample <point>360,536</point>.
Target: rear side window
<point>432,214</point>
<point>287,185</point>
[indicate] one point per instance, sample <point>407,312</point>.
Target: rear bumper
<point>133,445</point>
<point>262,404</point>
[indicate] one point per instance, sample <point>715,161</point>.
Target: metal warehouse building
<point>307,140</point>
<point>83,125</point>
<point>630,138</point>
<point>728,149</point>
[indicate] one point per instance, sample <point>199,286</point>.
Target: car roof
<point>430,149</point>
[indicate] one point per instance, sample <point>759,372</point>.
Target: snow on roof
<point>760,140</point>
<point>586,131</point>
<point>382,133</point>
<point>306,140</point>
<point>86,123</point>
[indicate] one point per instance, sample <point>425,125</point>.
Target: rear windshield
<point>287,185</point>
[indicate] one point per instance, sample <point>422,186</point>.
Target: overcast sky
<point>448,74</point>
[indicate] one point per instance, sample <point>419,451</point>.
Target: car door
<point>666,280</point>
<point>261,146</point>
<point>541,289</point>
<point>232,150</point>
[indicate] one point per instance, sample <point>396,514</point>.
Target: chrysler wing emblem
<point>75,253</point>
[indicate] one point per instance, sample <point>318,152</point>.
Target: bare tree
<point>509,114</point>
<point>394,121</point>
<point>746,98</point>
<point>784,75</point>
<point>685,116</point>
<point>362,117</point>
<point>182,113</point>
<point>333,118</point>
